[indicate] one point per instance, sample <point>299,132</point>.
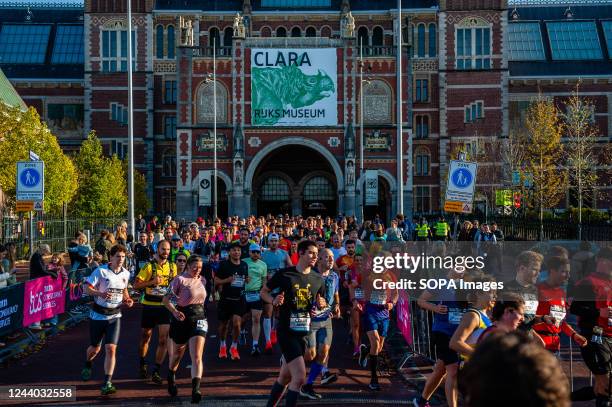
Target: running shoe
<point>196,396</point>
<point>273,336</point>
<point>269,348</point>
<point>172,389</point>
<point>255,351</point>
<point>156,378</point>
<point>86,373</point>
<point>143,371</point>
<point>223,352</point>
<point>420,402</point>
<point>234,354</point>
<point>108,388</point>
<point>374,386</point>
<point>308,392</point>
<point>363,355</point>
<point>328,377</point>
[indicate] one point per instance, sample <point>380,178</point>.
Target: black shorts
<point>598,357</point>
<point>153,315</point>
<point>108,329</point>
<point>443,351</point>
<point>227,308</point>
<point>255,305</point>
<point>292,345</point>
<point>182,331</point>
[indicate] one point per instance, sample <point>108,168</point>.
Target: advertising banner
<point>205,188</point>
<point>11,308</point>
<point>294,87</point>
<point>403,316</point>
<point>371,187</point>
<point>43,298</point>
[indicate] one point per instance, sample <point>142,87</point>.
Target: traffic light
<point>517,200</point>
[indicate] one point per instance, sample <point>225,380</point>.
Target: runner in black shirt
<point>230,278</point>
<point>301,292</point>
<point>143,252</point>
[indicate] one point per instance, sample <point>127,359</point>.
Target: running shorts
<point>108,329</point>
<point>153,315</point>
<point>292,345</point>
<point>321,333</point>
<point>373,322</point>
<point>255,305</point>
<point>182,331</point>
<point>443,351</point>
<point>598,357</point>
<point>227,308</point>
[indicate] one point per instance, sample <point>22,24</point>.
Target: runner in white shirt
<point>108,285</point>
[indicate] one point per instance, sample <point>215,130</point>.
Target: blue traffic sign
<point>30,177</point>
<point>462,178</point>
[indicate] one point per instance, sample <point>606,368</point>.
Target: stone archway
<point>225,185</point>
<point>388,205</point>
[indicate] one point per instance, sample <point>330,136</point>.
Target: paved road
<point>226,383</point>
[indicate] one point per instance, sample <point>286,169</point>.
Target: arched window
<point>296,32</point>
<point>213,38</point>
<point>228,34</point>
<point>377,99</point>
<point>377,37</point>
<point>325,31</point>
<point>281,32</point>
<point>422,162</point>
<point>205,107</point>
<point>169,163</point>
<point>274,189</point>
<point>421,41</point>
<point>432,40</point>
<point>363,36</point>
<point>159,41</point>
<point>311,32</point>
<point>265,32</point>
<point>319,189</point>
<point>171,42</point>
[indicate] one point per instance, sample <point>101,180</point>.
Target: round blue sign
<point>461,178</point>
<point>30,178</point>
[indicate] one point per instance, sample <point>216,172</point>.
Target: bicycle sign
<point>30,180</point>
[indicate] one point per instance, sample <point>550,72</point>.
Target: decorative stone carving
<point>238,142</point>
<point>350,173</point>
<point>254,142</point>
<point>347,25</point>
<point>205,104</point>
<point>186,27</point>
<point>377,101</point>
<point>349,142</point>
<point>333,142</point>
<point>164,66</point>
<point>238,172</point>
<point>239,29</point>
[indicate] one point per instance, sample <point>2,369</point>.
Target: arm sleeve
<point>93,278</point>
<point>145,273</point>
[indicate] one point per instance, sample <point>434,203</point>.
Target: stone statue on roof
<point>239,28</point>
<point>347,25</point>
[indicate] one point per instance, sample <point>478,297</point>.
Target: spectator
<point>82,253</point>
<point>510,370</point>
<point>37,262</point>
<point>103,245</point>
<point>394,233</point>
<point>499,234</point>
<point>121,234</point>
<point>152,226</point>
<point>141,224</point>
<point>7,273</point>
<point>56,269</point>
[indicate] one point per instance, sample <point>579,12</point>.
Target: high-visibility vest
<point>422,230</point>
<point>441,228</point>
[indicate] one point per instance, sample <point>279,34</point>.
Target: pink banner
<point>403,316</point>
<point>43,298</point>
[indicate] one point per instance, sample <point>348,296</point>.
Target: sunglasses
<point>255,251</point>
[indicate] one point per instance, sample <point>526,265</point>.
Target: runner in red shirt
<point>553,306</point>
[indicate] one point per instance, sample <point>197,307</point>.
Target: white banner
<point>371,187</point>
<point>294,87</point>
<point>205,188</point>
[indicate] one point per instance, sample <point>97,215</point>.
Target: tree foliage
<point>142,204</point>
<point>543,153</point>
<point>22,131</point>
<point>102,185</point>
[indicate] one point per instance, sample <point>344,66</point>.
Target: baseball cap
<point>199,219</point>
<point>273,236</point>
<point>176,238</point>
<point>254,247</point>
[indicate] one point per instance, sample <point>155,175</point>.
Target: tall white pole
<point>130,175</point>
<point>361,150</point>
<point>400,138</point>
<point>215,128</point>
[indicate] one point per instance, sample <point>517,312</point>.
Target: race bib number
<point>299,322</point>
<point>160,291</point>
<point>116,296</point>
<point>378,297</point>
<point>531,307</point>
<point>455,315</point>
<point>202,325</point>
<point>238,281</point>
<point>558,313</point>
<point>252,296</point>
<point>359,296</point>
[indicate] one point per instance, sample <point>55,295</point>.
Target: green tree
<point>22,131</point>
<point>543,153</point>
<point>142,204</point>
<point>102,183</point>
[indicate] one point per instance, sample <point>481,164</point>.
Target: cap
<point>273,236</point>
<point>254,247</point>
<point>258,229</point>
<point>200,220</point>
<point>176,238</point>
<point>193,225</point>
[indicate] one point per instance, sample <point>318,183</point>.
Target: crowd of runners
<point>288,278</point>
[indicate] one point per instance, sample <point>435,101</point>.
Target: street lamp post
<point>361,149</point>
<point>214,129</point>
<point>400,136</point>
<point>130,174</point>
